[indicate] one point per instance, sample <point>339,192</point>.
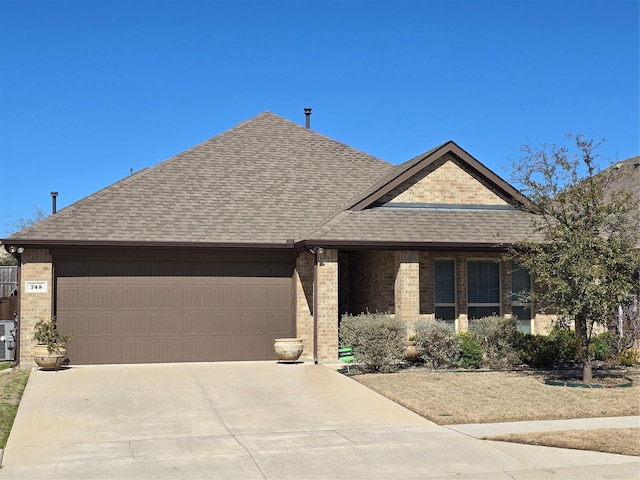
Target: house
<point>270,230</point>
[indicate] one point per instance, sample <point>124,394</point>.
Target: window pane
<point>524,326</point>
<point>483,281</point>
<point>523,313</point>
<point>480,312</point>
<point>520,281</point>
<point>445,281</point>
<point>445,313</point>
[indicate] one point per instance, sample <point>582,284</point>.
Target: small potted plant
<point>49,353</point>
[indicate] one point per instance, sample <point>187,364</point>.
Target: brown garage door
<point>176,311</point>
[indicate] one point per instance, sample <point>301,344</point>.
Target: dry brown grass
<point>448,398</point>
<point>488,397</point>
<point>624,441</point>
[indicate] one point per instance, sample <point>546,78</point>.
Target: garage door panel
<point>137,313</point>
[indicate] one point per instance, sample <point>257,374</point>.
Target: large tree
<point>585,260</point>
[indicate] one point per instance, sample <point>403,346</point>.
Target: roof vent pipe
<point>54,195</point>
<point>307,114</point>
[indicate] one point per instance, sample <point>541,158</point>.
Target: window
<point>521,285</point>
<point>483,288</point>
<point>445,291</point>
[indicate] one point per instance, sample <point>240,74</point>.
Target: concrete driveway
<point>254,420</point>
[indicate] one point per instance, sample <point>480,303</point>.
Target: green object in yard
<point>345,355</point>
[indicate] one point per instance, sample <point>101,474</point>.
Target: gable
<point>445,181</point>
<point>434,175</point>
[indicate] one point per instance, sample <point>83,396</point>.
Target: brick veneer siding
<point>407,287</point>
<point>327,298</point>
<point>446,182</point>
<point>36,266</point>
<point>371,282</point>
<point>303,278</point>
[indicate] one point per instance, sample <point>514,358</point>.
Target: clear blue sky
<point>90,89</point>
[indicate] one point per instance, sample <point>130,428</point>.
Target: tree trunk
<point>581,332</point>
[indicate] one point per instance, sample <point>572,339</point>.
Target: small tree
<point>23,222</point>
<point>587,259</point>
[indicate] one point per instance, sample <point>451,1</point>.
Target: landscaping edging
<point>573,384</point>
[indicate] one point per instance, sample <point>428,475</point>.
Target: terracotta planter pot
<point>288,349</point>
<point>49,360</point>
<point>411,354</point>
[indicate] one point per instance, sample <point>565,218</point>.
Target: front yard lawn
<point>447,397</point>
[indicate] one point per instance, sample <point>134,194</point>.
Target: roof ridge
<point>91,198</point>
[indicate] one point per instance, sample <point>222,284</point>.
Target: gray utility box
<point>7,340</point>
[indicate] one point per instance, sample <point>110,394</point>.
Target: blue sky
<point>90,89</point>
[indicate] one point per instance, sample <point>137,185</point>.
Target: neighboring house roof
<point>625,176</point>
<point>271,182</point>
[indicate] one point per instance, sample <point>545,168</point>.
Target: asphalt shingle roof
<point>428,226</point>
<point>271,181</point>
<point>265,181</point>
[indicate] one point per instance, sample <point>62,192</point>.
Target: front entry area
<point>155,311</point>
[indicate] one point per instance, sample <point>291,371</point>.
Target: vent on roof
<point>54,195</point>
<point>307,114</point>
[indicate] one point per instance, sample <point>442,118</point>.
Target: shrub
<point>436,344</point>
<point>629,357</point>
<point>605,346</point>
<point>470,351</point>
<point>377,340</point>
<point>538,351</point>
<point>546,351</point>
<point>498,338</point>
<point>566,344</point>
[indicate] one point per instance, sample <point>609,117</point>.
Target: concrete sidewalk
<point>482,430</point>
<point>255,420</point>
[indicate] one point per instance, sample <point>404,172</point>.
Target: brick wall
<point>371,282</point>
<point>445,181</point>
<point>327,298</point>
<point>407,287</point>
<point>303,278</point>
<point>36,266</point>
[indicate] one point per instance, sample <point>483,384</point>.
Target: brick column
<point>461,277</point>
<point>303,278</point>
<point>34,305</point>
<point>327,298</point>
<point>407,287</point>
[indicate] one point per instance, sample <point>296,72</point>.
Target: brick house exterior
<point>266,230</point>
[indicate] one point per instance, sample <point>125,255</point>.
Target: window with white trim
<point>483,288</point>
<point>520,287</point>
<point>445,290</point>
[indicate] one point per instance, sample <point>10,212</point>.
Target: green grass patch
<point>5,365</point>
<point>12,385</point>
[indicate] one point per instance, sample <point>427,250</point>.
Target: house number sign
<point>36,287</point>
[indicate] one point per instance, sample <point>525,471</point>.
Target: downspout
<point>16,314</point>
<point>315,306</point>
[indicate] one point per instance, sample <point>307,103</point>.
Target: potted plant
<point>411,353</point>
<point>49,353</point>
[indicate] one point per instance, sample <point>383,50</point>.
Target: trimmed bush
<point>605,346</point>
<point>546,351</point>
<point>538,351</point>
<point>498,337</point>
<point>566,344</point>
<point>377,340</point>
<point>470,351</point>
<point>436,344</point>
<point>629,357</point>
